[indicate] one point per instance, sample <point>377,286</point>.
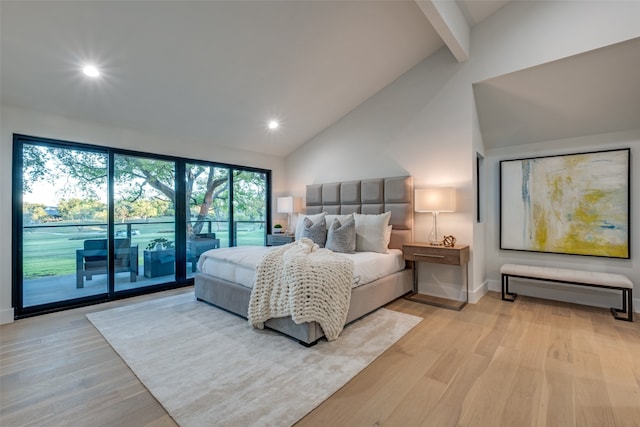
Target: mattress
<point>238,264</point>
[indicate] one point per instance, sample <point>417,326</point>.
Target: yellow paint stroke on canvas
<point>556,185</point>
<point>584,222</point>
<point>540,236</point>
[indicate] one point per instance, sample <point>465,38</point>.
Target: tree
<point>138,179</point>
<point>203,192</point>
<point>35,210</point>
<point>34,160</point>
<point>81,209</point>
<point>249,196</point>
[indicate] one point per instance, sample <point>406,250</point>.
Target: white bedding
<point>238,264</point>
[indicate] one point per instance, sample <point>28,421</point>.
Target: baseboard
<point>494,285</point>
<point>474,296</point>
<point>545,291</point>
<point>6,316</point>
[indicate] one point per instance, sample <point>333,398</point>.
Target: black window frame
<point>181,279</point>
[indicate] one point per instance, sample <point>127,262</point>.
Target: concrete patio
<point>46,290</point>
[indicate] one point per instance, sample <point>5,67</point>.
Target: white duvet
<point>238,264</point>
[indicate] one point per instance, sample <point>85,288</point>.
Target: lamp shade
<point>285,204</point>
<point>435,200</point>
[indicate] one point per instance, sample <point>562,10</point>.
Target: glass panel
<point>144,222</point>
<point>64,221</point>
<point>207,201</point>
<point>64,256</point>
<point>249,208</point>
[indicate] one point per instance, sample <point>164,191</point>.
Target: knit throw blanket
<point>305,282</point>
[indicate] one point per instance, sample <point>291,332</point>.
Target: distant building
<point>52,211</point>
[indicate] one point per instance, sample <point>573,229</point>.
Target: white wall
<point>528,33</point>
<point>419,126</point>
<point>17,120</point>
<point>480,284</point>
<point>424,123</point>
<point>496,257</point>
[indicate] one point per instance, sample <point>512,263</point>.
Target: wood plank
<point>532,362</point>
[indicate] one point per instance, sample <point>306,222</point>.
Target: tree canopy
<point>144,187</point>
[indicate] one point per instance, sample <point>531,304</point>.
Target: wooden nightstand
<point>424,252</point>
<point>279,239</point>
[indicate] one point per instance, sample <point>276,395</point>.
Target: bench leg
<point>506,295</point>
<point>627,307</point>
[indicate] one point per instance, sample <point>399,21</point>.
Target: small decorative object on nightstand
<point>425,252</point>
<point>449,241</point>
<point>279,239</point>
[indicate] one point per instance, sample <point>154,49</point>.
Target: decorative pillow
<point>342,237</point>
<point>342,218</point>
<point>372,232</point>
<point>316,232</point>
<point>300,224</point>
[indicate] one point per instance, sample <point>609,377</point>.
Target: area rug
<point>209,367</point>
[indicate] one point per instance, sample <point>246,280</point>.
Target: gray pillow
<point>316,232</point>
<point>342,237</point>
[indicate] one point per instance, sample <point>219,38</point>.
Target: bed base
<point>364,299</point>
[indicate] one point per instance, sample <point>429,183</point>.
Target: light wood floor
<point>531,363</point>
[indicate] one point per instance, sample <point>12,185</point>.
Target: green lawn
<point>51,251</point>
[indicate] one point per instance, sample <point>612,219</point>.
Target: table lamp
<point>285,205</point>
<point>435,200</point>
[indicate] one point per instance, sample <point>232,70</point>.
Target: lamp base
<point>433,238</point>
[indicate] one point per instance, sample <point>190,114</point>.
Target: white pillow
<point>300,224</point>
<point>372,233</point>
<point>387,237</point>
<point>342,218</point>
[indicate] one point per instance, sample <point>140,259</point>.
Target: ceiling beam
<point>450,24</point>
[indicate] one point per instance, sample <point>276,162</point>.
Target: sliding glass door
<point>226,206</point>
<point>98,223</point>
<point>249,208</point>
<point>207,199</point>
<point>64,224</point>
<point>144,221</point>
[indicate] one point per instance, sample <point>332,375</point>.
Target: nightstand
<point>424,252</point>
<point>279,239</point>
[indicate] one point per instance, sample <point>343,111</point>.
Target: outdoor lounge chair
<point>93,259</point>
<point>200,243</point>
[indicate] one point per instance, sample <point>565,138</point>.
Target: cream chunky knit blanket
<point>305,282</point>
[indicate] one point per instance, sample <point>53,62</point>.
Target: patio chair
<point>93,259</point>
<point>200,243</point>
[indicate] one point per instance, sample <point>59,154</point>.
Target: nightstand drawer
<point>279,239</point>
<point>456,255</point>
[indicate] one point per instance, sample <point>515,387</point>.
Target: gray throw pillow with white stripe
<point>342,237</point>
<point>316,232</point>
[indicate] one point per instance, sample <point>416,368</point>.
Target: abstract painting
<point>569,204</point>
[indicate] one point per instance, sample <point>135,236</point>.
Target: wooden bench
<point>572,277</point>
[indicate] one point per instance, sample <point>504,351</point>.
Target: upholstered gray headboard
<point>368,196</point>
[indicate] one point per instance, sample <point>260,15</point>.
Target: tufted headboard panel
<point>368,196</point>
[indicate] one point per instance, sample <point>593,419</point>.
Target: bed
<point>230,290</point>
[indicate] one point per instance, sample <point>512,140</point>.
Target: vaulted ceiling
<point>218,71</point>
<point>591,93</point>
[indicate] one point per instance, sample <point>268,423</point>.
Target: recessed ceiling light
<point>273,124</point>
<point>91,71</point>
